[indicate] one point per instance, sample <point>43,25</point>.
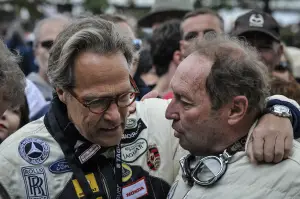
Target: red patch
<point>153,157</point>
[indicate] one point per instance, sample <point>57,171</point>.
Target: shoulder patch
<point>132,152</point>
<point>132,133</point>
<point>135,190</point>
<point>33,150</point>
<point>35,182</point>
<point>60,166</point>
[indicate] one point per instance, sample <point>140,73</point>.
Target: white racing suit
<point>48,158</point>
<point>34,162</point>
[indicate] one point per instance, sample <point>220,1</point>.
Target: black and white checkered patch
<point>35,182</point>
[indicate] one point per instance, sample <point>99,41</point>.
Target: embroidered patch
<point>130,123</point>
<point>126,172</point>
<point>256,20</point>
<point>35,182</point>
<point>135,190</point>
<point>60,166</point>
<point>93,184</point>
<point>132,134</point>
<point>87,154</point>
<point>33,150</point>
<point>172,190</point>
<point>132,152</point>
<point>153,157</point>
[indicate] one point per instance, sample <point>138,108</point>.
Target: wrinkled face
<point>9,122</point>
<point>99,76</point>
<point>196,27</point>
<point>195,124</point>
<point>269,50</point>
<point>48,33</point>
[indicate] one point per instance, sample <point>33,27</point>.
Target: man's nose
<point>112,113</point>
<point>172,111</point>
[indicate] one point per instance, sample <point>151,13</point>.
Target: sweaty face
<point>99,76</point>
<point>9,122</point>
<point>48,33</point>
<point>196,27</point>
<point>195,124</point>
<point>269,50</point>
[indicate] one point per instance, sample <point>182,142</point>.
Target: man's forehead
<point>201,22</point>
<point>51,28</point>
<point>193,70</point>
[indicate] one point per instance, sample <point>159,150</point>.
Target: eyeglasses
<point>100,105</point>
<point>137,43</point>
<point>47,44</point>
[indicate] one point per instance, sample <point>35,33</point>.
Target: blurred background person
<point>163,10</point>
<point>290,89</point>
<point>13,119</point>
<point>197,23</point>
<point>45,33</point>
<point>262,31</point>
<point>128,30</point>
<point>166,56</point>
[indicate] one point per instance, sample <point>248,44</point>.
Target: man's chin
<point>109,141</point>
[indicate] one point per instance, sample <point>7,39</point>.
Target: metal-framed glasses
<point>100,105</point>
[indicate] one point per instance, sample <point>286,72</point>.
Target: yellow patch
<point>93,184</point>
<point>126,173</point>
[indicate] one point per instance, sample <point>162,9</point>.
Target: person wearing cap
<point>163,10</point>
<point>262,31</point>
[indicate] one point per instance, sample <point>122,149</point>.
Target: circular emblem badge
<point>126,172</point>
<point>33,150</point>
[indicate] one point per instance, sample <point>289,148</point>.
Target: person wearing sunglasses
<point>214,113</point>
<point>45,32</point>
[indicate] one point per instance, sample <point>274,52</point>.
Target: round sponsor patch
<point>153,157</point>
<point>33,150</point>
<point>126,172</point>
<point>130,123</point>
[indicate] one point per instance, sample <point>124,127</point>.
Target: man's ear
<point>177,57</point>
<point>238,109</point>
<point>62,95</point>
<point>280,50</point>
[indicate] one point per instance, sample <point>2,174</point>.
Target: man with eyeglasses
<point>45,33</point>
<point>263,32</point>
<point>75,151</point>
<point>219,90</point>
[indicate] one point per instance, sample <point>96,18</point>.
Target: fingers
<point>151,94</point>
<point>288,145</point>
<point>258,148</point>
<point>250,152</point>
<point>269,148</point>
<point>279,149</point>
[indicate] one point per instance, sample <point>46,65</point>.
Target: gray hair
<point>12,79</point>
<point>37,28</point>
<point>236,70</point>
<point>86,34</point>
